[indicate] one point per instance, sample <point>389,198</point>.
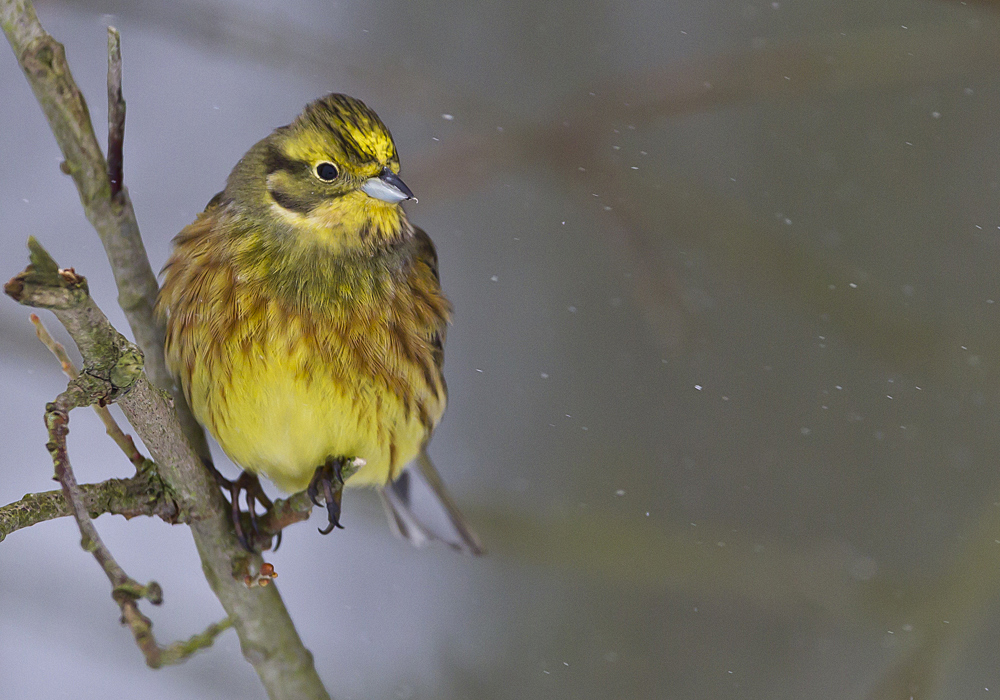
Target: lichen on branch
<point>112,371</point>
<point>142,494</point>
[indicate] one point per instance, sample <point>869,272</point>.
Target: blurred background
<point>724,369</point>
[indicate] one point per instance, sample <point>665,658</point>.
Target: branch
<point>108,206</point>
<point>126,591</point>
<point>284,512</point>
<point>83,391</point>
<point>267,636</point>
<point>100,384</point>
<point>142,494</point>
<point>105,379</point>
<point>179,651</point>
<point>116,114</point>
<point>43,60</point>
<point>111,426</point>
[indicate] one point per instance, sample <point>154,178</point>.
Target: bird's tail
<point>420,509</point>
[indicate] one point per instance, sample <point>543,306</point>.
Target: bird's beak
<point>387,187</point>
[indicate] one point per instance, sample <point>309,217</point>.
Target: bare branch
<point>267,635</point>
<point>43,60</point>
<point>110,424</point>
<point>284,512</point>
<point>99,385</point>
<point>107,377</point>
<point>126,591</point>
<point>116,113</point>
<point>142,494</point>
<point>179,651</point>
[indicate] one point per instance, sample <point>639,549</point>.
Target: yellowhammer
<point>306,323</point>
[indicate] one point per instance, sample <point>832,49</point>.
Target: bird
<point>305,323</point>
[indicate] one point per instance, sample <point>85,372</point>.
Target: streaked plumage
<point>305,318</point>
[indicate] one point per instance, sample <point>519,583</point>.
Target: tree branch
<point>104,380</point>
<point>126,591</point>
<point>86,390</point>
<point>142,494</point>
<point>267,635</point>
<point>111,426</point>
<point>116,114</point>
<point>43,60</point>
<point>284,512</point>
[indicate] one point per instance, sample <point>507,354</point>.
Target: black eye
<point>327,172</point>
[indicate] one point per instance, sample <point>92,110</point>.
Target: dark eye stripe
<point>275,160</point>
<point>291,202</point>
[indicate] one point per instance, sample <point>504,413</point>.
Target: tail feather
<point>420,509</point>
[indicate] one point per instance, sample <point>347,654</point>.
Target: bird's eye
<point>327,172</point>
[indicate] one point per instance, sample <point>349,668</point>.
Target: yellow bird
<point>306,322</point>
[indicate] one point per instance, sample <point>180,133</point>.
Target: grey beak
<point>387,187</point>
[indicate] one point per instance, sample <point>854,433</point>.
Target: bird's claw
<point>248,484</point>
<point>330,478</point>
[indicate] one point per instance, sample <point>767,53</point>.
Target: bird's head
<point>329,178</point>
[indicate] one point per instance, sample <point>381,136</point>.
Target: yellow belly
<point>280,414</point>
<point>291,359</point>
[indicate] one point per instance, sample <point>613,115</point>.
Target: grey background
<point>723,369</point>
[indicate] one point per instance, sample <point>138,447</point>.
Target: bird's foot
<point>330,479</point>
<point>248,484</point>
<point>253,492</point>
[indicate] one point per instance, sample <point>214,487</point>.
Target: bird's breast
<point>282,389</point>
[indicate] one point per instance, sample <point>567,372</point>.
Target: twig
<point>126,591</point>
<point>43,60</point>
<point>110,424</point>
<point>116,113</point>
<point>267,635</point>
<point>102,382</point>
<point>284,512</point>
<point>142,494</point>
<point>179,651</point>
<point>54,346</point>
